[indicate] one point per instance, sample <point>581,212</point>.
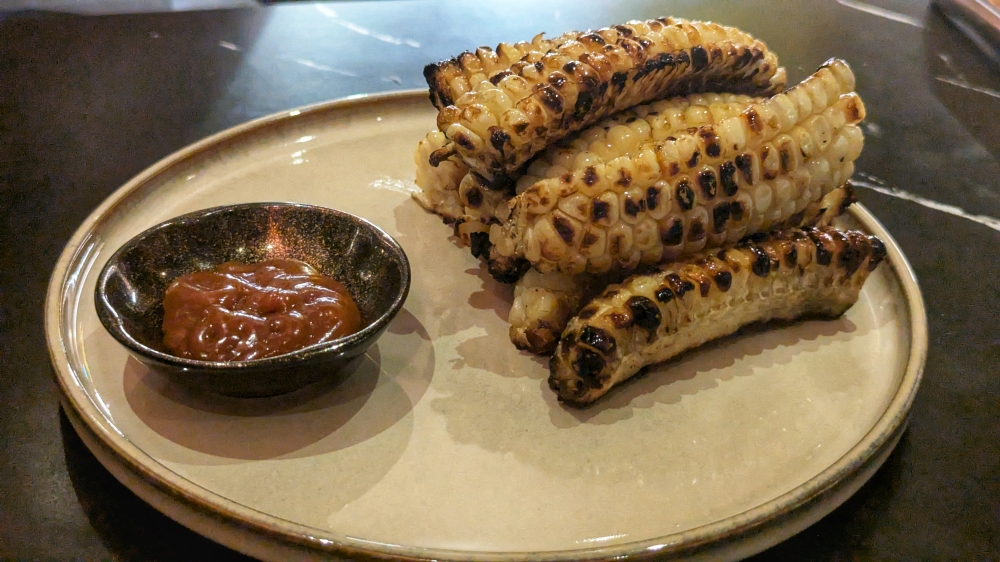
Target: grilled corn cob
<point>498,124</point>
<point>619,135</point>
<point>543,303</point>
<point>741,175</point>
<point>652,318</point>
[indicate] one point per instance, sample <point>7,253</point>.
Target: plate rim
<point>728,531</point>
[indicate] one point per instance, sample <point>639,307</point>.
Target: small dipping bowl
<point>351,250</point>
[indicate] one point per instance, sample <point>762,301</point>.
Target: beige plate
<point>446,442</point>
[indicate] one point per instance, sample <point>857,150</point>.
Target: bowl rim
<point>111,320</point>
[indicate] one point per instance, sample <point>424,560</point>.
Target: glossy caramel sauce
<point>238,312</point>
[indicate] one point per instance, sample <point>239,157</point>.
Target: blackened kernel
<point>696,231</point>
<point>632,207</point>
<point>588,366</point>
<point>587,312</point>
<point>590,175</point>
<point>564,228</point>
<point>709,183</point>
<point>645,312</point>
<point>753,120</point>
<point>712,147</point>
<point>499,76</point>
<point>598,339</point>
<point>736,211</point>
<point>724,280</point>
<point>673,235</point>
<point>720,215</point>
<point>679,286</point>
<point>684,195</point>
<point>652,198</point>
<point>727,177</point>
<point>744,163</point>
<point>474,197</point>
<point>792,256</point>
<point>664,294</point>
<point>693,161</point>
<point>699,57</point>
<point>761,264</point>
<point>599,210</point>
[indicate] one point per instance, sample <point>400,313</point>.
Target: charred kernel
<point>587,312</point>
<point>479,244</point>
<point>463,140</point>
<point>761,263</point>
<point>570,67</point>
<point>565,228</point>
<point>624,178</point>
<point>652,198</point>
<point>736,211</point>
<point>588,366</point>
<point>709,184</point>
<point>704,286</point>
<point>645,313</point>
<point>590,175</point>
<point>685,195</point>
<point>851,257</point>
<point>550,98</point>
<point>786,158</point>
<point>623,30</point>
<point>674,168</point>
<point>696,231</point>
<point>678,285</point>
<point>712,147</point>
<point>878,253</point>
<point>720,215</point>
<point>753,120</point>
<point>683,58</point>
<point>724,280</point>
<point>797,217</point>
<point>557,79</point>
<point>744,163</point>
<point>673,235</point>
<point>496,78</point>
<point>699,57</point>
<point>823,256</point>
<point>727,177</point>
<point>621,320</point>
<point>598,339</point>
<point>693,161</point>
<point>664,294</point>
<point>599,210</point>
<point>618,79</point>
<point>520,128</point>
<point>588,239</point>
<point>633,208</point>
<point>499,138</point>
<point>474,197</point>
<point>566,178</point>
<point>792,256</point>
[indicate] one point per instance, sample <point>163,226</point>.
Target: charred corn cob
<point>652,318</point>
<point>619,135</point>
<point>544,303</point>
<point>498,124</point>
<point>742,175</point>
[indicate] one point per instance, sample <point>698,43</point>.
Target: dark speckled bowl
<point>129,293</point>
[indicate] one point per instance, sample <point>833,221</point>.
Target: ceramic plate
<point>445,442</point>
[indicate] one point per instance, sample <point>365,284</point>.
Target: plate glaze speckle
<point>445,442</point>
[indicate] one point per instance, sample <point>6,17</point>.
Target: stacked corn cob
<point>566,161</point>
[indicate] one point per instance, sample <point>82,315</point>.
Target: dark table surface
<point>86,102</point>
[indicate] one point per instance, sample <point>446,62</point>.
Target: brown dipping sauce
<point>238,312</point>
